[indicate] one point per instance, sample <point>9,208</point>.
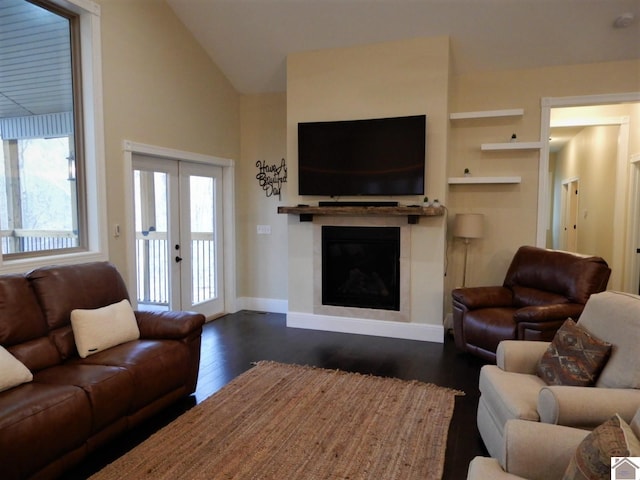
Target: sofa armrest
<point>548,313</point>
<point>586,407</point>
<point>482,297</point>
<point>484,468</point>
<point>531,445</point>
<point>520,356</point>
<point>169,325</point>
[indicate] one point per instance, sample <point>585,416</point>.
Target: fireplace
<point>361,267</point>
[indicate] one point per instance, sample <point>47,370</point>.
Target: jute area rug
<point>286,422</point>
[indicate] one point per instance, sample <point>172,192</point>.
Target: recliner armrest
<point>483,297</point>
<point>169,325</point>
<point>520,356</point>
<point>586,407</point>
<point>548,313</point>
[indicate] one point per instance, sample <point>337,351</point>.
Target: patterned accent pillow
<point>592,459</point>
<point>574,357</point>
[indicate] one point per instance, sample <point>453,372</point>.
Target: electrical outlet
<point>264,229</point>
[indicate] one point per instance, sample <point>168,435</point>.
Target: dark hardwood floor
<point>231,343</point>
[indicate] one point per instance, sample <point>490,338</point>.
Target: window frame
<point>90,138</point>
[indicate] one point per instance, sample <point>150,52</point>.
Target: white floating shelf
<point>478,180</point>
<point>514,112</point>
<point>512,146</point>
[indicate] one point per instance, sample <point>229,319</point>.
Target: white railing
<point>24,241</point>
<point>154,257</point>
<point>152,254</point>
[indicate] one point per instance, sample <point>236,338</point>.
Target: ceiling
<point>250,39</point>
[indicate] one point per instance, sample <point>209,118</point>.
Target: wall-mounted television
<point>379,156</point>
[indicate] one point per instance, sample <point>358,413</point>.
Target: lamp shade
<point>468,225</point>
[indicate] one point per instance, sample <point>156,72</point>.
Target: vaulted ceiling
<point>250,39</point>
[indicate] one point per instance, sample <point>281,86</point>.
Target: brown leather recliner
<point>541,290</point>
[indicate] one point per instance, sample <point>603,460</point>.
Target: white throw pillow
<point>102,328</point>
<point>12,371</point>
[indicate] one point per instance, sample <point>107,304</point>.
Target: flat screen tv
<point>380,156</point>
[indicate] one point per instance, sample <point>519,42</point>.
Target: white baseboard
<point>362,326</point>
<point>262,304</point>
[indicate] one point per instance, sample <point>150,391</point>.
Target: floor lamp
<point>467,226</point>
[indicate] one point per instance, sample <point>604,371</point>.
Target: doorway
<point>182,179</point>
<point>178,227</point>
<point>604,219</point>
<point>570,195</point>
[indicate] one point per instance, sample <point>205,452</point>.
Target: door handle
<point>178,259</point>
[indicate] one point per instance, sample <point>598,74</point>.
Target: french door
<point>178,228</point>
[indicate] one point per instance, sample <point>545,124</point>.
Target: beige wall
<point>262,259</point>
<point>591,158</point>
<point>383,80</point>
<point>160,88</point>
<point>511,210</point>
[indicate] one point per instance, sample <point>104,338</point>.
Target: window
<point>51,201</point>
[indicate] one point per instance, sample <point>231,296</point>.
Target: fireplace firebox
<point>361,267</point>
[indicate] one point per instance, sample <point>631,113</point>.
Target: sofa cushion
<point>526,296</point>
<point>574,357</point>
<point>156,366</point>
<point>12,372</point>
<point>102,328</point>
<point>108,388</point>
<point>571,275</point>
<point>592,459</point>
<point>63,288</point>
<point>615,318</point>
<point>22,319</point>
<point>40,423</point>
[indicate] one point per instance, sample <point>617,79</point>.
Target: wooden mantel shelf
<point>412,213</point>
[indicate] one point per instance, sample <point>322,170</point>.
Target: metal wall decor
<point>271,177</point>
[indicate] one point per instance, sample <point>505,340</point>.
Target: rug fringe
<point>456,392</point>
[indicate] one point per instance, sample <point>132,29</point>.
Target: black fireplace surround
<point>361,267</point>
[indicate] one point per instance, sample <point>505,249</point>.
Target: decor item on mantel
<point>280,421</point>
<point>468,226</point>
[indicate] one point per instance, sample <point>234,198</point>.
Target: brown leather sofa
<point>74,405</point>
<point>542,288</point>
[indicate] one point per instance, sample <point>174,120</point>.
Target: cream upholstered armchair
<point>513,390</point>
<point>539,451</point>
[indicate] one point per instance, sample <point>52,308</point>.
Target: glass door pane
<point>203,253</point>
<point>152,247</point>
<point>200,227</point>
